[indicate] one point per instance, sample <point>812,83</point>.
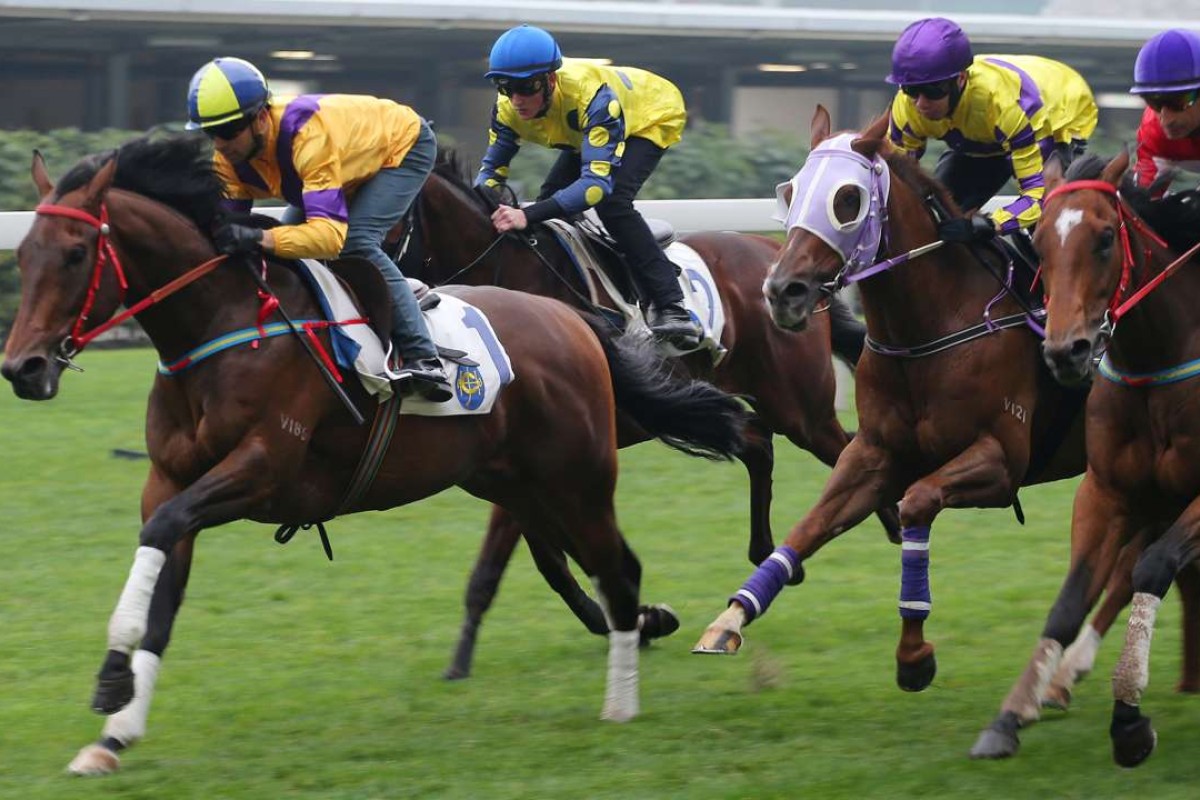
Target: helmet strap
<point>956,92</point>
<point>547,93</point>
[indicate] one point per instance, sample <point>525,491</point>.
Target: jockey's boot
<point>672,323</point>
<point>426,378</point>
<point>846,333</point>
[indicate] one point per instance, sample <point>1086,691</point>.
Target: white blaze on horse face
<point>1066,223</point>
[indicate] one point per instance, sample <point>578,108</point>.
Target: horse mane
<point>451,166</point>
<point>908,169</point>
<point>174,170</point>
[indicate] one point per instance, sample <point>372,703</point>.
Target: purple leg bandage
<point>767,581</point>
<point>915,600</point>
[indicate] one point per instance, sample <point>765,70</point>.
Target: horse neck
<point>1159,331</point>
<point>157,244</point>
<point>931,296</point>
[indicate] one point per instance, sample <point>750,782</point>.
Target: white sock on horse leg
<point>129,724</point>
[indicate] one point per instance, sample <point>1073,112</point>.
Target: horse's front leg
<point>758,456</point>
<point>226,493</point>
<point>1100,528</point>
<point>979,476</point>
<point>1133,737</point>
<point>857,487</point>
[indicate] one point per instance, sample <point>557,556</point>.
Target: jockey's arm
<point>323,231</point>
<point>503,144</point>
<point>1021,140</point>
<point>902,126</point>
<point>600,152</point>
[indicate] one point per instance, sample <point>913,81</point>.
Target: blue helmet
<point>928,51</point>
<point>523,52</point>
<point>1169,62</point>
<point>223,90</point>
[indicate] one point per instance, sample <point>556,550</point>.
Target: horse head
<point>1082,239</point>
<point>63,280</point>
<point>834,211</point>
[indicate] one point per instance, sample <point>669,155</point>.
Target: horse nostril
<point>30,367</point>
<point>1081,348</point>
<point>795,291</point>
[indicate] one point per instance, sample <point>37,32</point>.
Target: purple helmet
<point>928,51</point>
<point>1169,62</point>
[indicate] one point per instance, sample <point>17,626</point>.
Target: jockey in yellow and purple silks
<point>613,125</point>
<point>1001,117</point>
<point>348,165</point>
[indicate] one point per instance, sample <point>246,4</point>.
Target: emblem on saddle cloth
<point>454,325</point>
<point>700,295</point>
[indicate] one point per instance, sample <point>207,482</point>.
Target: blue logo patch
<point>468,385</point>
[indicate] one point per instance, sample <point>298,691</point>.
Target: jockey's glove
<point>235,239</point>
<point>965,230</point>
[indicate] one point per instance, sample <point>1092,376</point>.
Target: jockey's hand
<point>234,239</point>
<point>976,228</point>
<point>509,218</point>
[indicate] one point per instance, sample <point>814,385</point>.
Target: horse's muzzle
<point>32,377</point>
<point>1070,361</point>
<point>791,302</point>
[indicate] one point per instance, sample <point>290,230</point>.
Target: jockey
<point>612,126</point>
<point>1167,76</point>
<point>1001,117</point>
<point>348,165</point>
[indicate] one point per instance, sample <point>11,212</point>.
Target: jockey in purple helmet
<point>611,126</point>
<point>1001,117</point>
<point>1167,76</point>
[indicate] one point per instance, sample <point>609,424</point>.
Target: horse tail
<point>692,416</point>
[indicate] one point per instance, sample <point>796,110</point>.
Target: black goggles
<point>228,130</point>
<point>934,91</point>
<point>522,86</point>
<point>1172,101</point>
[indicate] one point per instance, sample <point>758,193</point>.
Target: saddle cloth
<point>700,295</point>
<point>454,325</point>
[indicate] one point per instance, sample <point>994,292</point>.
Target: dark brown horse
<point>1113,290</point>
<point>253,432</point>
<point>786,376</point>
<point>952,413</point>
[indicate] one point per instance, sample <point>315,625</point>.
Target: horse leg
<point>1133,737</point>
<point>1100,526</point>
<point>1188,581</point>
<point>827,445</point>
<point>498,544</point>
<point>978,476</point>
<point>1080,657</point>
<point>617,588</point>
<point>856,488</point>
<point>758,456</point>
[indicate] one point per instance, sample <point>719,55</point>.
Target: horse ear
<point>41,177</point>
<point>1116,168</point>
<point>101,181</point>
<point>821,126</point>
<point>1052,173</point>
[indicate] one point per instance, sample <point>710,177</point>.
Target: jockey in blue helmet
<point>612,126</point>
<point>348,165</point>
<point>1167,77</point>
<point>1001,117</point>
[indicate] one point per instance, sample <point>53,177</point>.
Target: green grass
<point>293,678</point>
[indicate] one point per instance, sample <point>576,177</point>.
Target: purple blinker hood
<point>831,166</point>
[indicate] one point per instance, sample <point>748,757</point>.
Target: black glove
<point>234,239</point>
<point>966,230</point>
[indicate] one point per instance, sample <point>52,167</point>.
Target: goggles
<point>525,87</point>
<point>1173,101</point>
<point>933,91</point>
<point>228,130</point>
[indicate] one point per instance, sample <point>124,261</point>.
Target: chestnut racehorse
<point>254,433</point>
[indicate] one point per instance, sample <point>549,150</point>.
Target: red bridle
<point>1116,307</point>
<point>107,254</point>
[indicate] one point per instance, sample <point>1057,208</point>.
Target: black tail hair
<point>690,415</point>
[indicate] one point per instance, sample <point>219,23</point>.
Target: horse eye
<point>849,201</point>
<point>75,255</point>
<point>1105,241</point>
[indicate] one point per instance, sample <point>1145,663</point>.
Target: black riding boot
<point>672,323</point>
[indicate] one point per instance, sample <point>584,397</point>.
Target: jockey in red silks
<point>1167,77</point>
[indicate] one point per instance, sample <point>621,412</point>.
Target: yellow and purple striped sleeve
<point>311,175</point>
<point>901,127</point>
<point>1023,130</point>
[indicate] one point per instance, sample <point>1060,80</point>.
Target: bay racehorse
<point>1115,289</point>
<point>786,376</point>
<point>955,408</point>
<point>253,432</point>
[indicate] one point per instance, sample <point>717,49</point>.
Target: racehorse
<point>253,432</point>
<point>955,408</point>
<point>786,376</point>
<point>1103,268</point>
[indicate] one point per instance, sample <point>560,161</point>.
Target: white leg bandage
<point>1133,668</point>
<point>129,724</point>
<point>128,622</point>
<point>621,693</point>
<point>1081,655</point>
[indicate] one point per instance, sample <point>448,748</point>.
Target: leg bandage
<point>915,600</point>
<point>128,622</point>
<point>767,581</point>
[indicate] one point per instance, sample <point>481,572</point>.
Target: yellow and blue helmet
<point>223,90</point>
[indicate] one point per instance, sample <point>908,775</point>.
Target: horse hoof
<point>456,673</point>
<point>1187,687</point>
<point>917,676</point>
<point>797,576</point>
<point>658,622</point>
<point>94,759</point>
<point>114,690</point>
<point>998,740</point>
<point>718,641</point>
<point>1133,742</point>
<point>1057,697</point>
